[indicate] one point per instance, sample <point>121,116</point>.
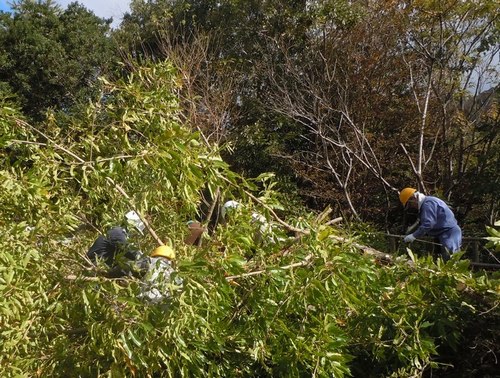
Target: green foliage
<point>494,238</point>
<point>305,306</point>
<point>52,57</point>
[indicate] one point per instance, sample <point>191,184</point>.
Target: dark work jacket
<point>112,248</point>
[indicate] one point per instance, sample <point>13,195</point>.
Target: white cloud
<point>103,8</point>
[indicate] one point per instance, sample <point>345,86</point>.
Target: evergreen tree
<point>51,58</point>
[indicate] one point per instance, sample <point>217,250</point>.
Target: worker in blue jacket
<point>436,219</point>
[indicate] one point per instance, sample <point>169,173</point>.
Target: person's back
<point>106,247</point>
<point>156,285</point>
<point>436,217</point>
<point>115,251</point>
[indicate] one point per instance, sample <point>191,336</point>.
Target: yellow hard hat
<point>405,195</point>
<point>164,251</point>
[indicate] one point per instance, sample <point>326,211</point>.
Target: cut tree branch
<point>82,161</point>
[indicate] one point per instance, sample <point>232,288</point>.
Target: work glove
<point>409,238</point>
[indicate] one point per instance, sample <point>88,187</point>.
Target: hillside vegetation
<point>312,116</point>
<point>337,312</point>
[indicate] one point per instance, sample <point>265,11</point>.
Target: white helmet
<point>135,220</point>
<point>228,206</point>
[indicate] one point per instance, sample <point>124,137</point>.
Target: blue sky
<point>102,8</point>
<point>4,6</point>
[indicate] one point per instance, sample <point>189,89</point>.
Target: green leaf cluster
<point>494,238</point>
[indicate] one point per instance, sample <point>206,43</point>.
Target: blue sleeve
<point>428,219</point>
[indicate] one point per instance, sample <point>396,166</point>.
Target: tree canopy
<point>285,82</point>
<point>52,57</point>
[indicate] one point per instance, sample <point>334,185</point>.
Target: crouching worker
<point>264,232</point>
<point>160,280</point>
<point>121,257</point>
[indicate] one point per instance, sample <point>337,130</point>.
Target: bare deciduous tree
<point>209,89</point>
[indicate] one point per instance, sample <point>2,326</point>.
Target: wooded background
<point>347,102</point>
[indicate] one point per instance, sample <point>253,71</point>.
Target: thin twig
<point>131,203</point>
<point>491,309</point>
<point>257,272</point>
<point>333,221</point>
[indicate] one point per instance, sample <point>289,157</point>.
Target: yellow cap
<point>164,251</point>
<point>405,195</point>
